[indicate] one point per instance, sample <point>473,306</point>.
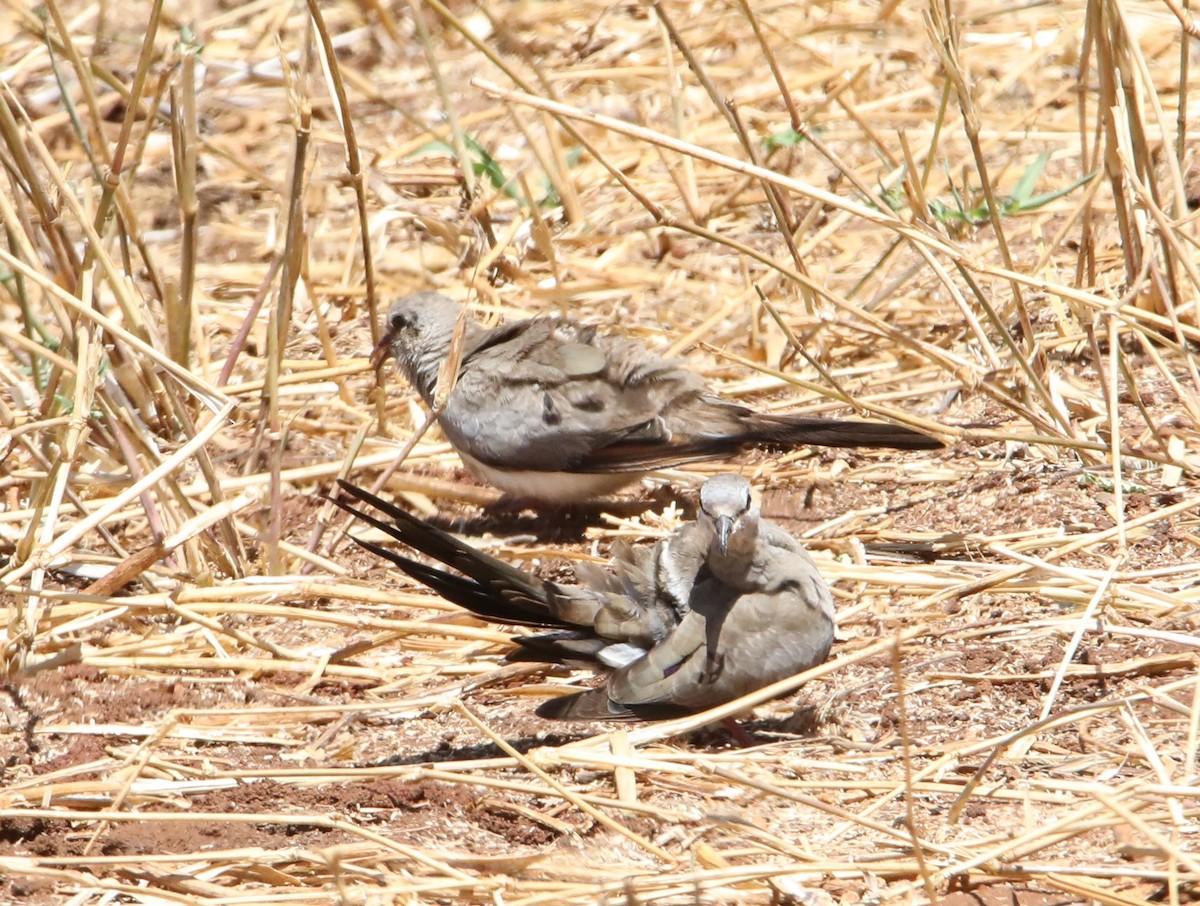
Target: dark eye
<point>399,320</point>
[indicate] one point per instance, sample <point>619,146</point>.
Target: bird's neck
<point>422,372</point>
<point>735,564</point>
<point>423,363</point>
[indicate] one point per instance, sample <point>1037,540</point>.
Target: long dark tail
<point>731,429</point>
<point>795,431</point>
<point>492,588</point>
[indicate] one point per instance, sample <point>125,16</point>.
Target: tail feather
<point>796,430</point>
<point>493,590</point>
<point>466,593</point>
<point>728,438</point>
<point>565,647</point>
<point>430,540</point>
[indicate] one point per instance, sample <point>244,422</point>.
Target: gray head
<point>725,504</point>
<point>417,333</point>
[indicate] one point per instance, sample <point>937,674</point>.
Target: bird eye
<point>399,321</point>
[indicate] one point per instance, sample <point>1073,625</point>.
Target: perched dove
<point>549,410</point>
<point>726,605</point>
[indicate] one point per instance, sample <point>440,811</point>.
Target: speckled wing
<point>555,396</point>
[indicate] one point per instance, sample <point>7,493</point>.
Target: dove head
<point>725,505</point>
<point>417,333</point>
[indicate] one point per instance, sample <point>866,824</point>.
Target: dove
<point>551,411</point>
<point>725,605</point>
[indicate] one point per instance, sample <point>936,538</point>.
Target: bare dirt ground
<point>211,696</point>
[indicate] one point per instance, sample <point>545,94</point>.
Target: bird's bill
<point>724,531</point>
<point>382,348</point>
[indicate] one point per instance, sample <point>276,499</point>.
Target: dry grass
<point>211,698</point>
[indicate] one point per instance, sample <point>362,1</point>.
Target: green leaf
<point>1024,188</point>
<point>1038,200</point>
<point>487,166</point>
<point>788,138</point>
<point>483,165</point>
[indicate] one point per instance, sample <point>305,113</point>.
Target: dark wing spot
<point>550,413</point>
<point>672,669</point>
<point>790,587</point>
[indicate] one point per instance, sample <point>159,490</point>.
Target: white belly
<point>550,487</point>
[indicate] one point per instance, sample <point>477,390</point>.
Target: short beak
<point>724,530</point>
<point>379,353</point>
